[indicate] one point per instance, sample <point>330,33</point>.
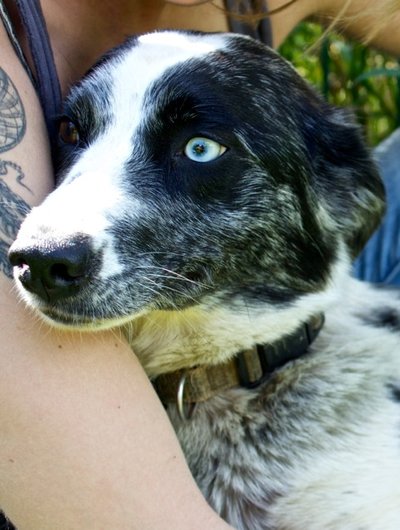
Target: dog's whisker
<point>148,288</point>
<point>182,277</point>
<point>170,274</point>
<point>158,267</point>
<point>176,278</point>
<point>169,289</point>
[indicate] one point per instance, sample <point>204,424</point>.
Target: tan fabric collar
<point>247,369</point>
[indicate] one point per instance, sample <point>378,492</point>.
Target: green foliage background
<point>349,73</point>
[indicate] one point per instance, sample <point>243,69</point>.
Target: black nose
<point>53,270</point>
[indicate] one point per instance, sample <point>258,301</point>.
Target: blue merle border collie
<point>210,204</point>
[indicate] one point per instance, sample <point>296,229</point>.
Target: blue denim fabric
<point>379,262</point>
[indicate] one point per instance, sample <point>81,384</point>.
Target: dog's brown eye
<point>68,132</point>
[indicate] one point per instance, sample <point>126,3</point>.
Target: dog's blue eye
<point>201,149</point>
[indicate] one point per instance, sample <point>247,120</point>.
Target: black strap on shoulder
<point>5,523</point>
<point>47,83</point>
<point>260,30</point>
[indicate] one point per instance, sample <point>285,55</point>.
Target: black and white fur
<point>199,260</point>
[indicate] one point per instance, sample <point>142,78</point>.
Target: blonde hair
<point>375,16</point>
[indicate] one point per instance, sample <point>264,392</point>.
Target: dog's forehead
<point>164,59</point>
<point>171,46</point>
<point>151,55</point>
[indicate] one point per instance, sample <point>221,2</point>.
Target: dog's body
<point>212,202</point>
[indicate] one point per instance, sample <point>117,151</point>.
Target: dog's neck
<point>166,341</point>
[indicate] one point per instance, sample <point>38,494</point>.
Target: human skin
<point>85,443</point>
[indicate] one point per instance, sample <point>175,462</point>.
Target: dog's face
<point>196,169</point>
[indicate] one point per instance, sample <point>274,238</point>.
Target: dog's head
<point>196,169</point>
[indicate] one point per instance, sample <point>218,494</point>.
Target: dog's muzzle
<point>54,271</point>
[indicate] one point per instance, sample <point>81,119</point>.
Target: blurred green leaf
<point>377,72</point>
<point>348,73</point>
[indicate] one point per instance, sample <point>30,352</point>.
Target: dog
<point>210,204</point>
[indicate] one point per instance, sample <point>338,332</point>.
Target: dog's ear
<point>345,176</point>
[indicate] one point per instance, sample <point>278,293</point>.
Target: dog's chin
<point>75,322</point>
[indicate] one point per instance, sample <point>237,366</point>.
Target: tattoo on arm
<point>12,212</point>
<point>12,114</point>
<point>13,208</point>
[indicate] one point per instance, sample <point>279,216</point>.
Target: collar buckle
<point>248,369</point>
<point>254,365</point>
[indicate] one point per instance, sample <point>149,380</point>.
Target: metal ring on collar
<point>185,413</point>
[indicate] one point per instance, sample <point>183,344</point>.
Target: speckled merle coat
<point>210,200</point>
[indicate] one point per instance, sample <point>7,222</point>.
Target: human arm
<point>85,443</point>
